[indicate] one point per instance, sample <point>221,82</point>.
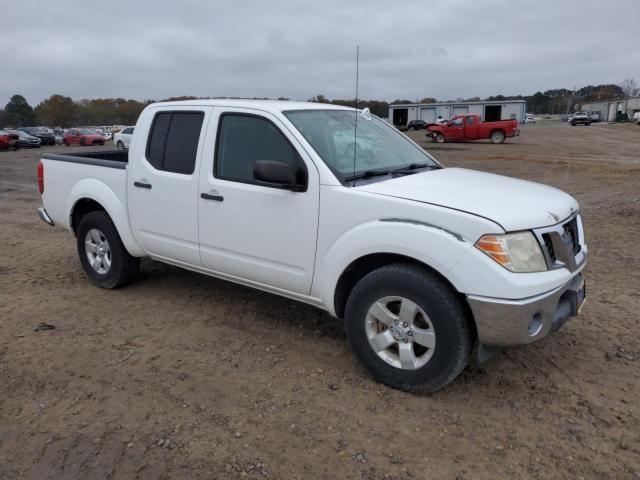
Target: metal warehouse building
<point>610,109</point>
<point>429,112</point>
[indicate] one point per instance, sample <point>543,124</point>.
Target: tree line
<point>61,111</point>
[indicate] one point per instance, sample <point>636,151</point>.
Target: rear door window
<point>173,141</point>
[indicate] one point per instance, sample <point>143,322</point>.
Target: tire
<point>434,368</point>
<point>573,124</point>
<point>115,267</point>
<point>120,145</point>
<point>439,138</point>
<point>497,136</point>
<point>82,142</point>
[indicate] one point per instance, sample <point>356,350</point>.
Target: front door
<point>163,183</point>
<point>455,129</point>
<point>248,230</point>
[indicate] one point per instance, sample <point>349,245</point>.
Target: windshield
<point>86,131</point>
<point>377,146</point>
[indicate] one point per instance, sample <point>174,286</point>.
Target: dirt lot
<point>185,376</point>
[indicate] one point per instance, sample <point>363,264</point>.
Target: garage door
<point>612,112</point>
<point>460,110</point>
<point>428,114</point>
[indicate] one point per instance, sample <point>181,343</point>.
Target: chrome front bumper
<point>44,216</point>
<point>506,323</point>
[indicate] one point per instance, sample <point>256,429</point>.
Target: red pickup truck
<point>469,127</point>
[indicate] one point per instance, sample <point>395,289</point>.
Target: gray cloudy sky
<point>294,48</point>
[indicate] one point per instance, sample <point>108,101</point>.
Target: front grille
<point>571,230</point>
<point>549,246</point>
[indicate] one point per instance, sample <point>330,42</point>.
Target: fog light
<point>535,325</point>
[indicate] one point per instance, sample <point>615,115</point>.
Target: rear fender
<point>92,189</point>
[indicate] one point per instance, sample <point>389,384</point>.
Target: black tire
<point>123,269</point>
<point>454,336</point>
<point>573,124</point>
<point>120,145</point>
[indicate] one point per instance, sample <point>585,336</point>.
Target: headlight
<point>518,252</point>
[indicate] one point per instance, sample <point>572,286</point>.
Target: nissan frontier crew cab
<point>333,207</point>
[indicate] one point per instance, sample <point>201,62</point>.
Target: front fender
<point>92,189</point>
<point>434,246</point>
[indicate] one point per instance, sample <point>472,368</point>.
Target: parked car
<point>528,118</point>
<point>416,125</point>
<point>595,116</point>
<point>636,118</point>
<point>8,140</point>
<point>421,262</point>
<point>82,136</point>
<point>44,134</point>
<point>25,140</point>
<point>122,139</point>
<point>469,127</point>
<point>580,118</point>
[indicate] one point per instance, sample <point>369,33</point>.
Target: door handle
<point>142,185</point>
<point>209,196</point>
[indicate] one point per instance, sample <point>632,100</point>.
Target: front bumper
<point>506,323</point>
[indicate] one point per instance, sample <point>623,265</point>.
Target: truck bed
<point>109,158</point>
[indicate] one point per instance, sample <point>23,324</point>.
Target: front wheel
<point>104,258</point>
<point>408,328</point>
<point>439,138</point>
<point>497,137</point>
<point>120,145</point>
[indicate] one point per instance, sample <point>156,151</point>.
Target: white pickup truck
<point>333,207</point>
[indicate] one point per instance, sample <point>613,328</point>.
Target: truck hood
<point>513,204</point>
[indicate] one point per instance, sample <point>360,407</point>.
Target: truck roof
<point>268,105</point>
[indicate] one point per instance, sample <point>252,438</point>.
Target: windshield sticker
<point>366,114</point>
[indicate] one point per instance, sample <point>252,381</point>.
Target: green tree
<point>3,118</point>
<point>19,112</point>
<point>57,111</point>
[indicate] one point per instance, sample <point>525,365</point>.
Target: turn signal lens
<point>518,252</point>
<point>492,246</point>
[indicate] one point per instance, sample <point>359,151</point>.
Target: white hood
<point>513,204</point>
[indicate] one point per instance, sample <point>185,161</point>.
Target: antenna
<point>355,129</point>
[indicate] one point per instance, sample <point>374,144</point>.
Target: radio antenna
<point>355,128</point>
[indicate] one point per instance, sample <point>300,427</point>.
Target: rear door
<point>248,230</point>
<point>163,182</point>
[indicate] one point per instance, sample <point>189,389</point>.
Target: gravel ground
<point>184,376</point>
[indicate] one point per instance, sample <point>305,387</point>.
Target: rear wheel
<point>497,136</point>
<point>408,328</point>
<point>104,258</point>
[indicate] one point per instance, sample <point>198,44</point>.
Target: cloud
<point>444,49</point>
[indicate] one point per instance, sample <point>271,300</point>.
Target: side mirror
<point>276,174</point>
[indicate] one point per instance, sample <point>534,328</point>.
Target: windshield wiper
<point>367,174</point>
<point>415,166</point>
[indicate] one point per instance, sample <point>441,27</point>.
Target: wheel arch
<point>92,195</point>
<point>364,265</point>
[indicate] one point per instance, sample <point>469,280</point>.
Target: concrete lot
<point>184,376</point>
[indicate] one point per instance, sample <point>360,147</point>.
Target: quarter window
<point>173,141</point>
<point>245,139</point>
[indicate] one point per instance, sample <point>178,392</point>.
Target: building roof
<point>483,102</point>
